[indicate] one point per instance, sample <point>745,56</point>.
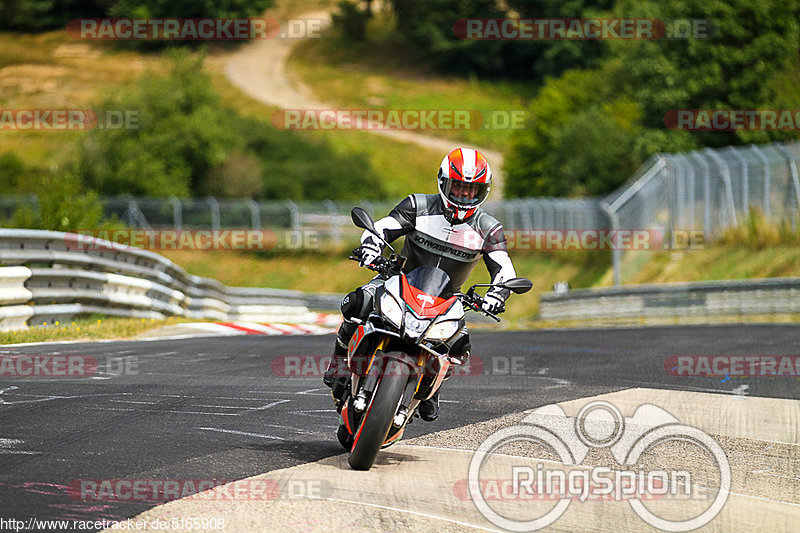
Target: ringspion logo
<point>632,441</point>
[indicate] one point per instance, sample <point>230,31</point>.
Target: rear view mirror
<point>518,285</point>
<point>362,219</point>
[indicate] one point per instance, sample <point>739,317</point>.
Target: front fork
<point>371,381</point>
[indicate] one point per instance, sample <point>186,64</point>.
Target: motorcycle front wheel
<point>377,420</point>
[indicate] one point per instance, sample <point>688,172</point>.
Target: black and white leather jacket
<point>430,240</point>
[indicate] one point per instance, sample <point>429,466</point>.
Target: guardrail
<point>50,275</point>
<point>711,298</point>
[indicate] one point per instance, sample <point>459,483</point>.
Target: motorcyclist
<point>449,231</point>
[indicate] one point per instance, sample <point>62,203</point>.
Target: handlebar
<point>393,265</point>
<point>388,266</point>
<point>474,302</point>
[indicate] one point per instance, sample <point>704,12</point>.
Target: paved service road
<point>223,408</point>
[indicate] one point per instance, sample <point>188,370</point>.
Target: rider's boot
<point>429,409</point>
<point>337,366</point>
<point>352,305</point>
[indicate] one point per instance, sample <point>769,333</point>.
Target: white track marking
<point>313,392</point>
<point>265,407</point>
<point>243,433</point>
<point>7,444</point>
<point>397,509</point>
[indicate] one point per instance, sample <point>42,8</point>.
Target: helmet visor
<point>465,194</point>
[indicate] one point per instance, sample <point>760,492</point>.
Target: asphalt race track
<point>223,408</point>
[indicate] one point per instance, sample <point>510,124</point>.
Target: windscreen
<point>429,279</point>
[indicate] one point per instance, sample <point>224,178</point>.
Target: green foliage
<point>182,133</point>
<point>291,166</point>
<point>592,128</point>
<point>581,139</point>
<point>757,232</point>
<point>38,15</point>
<point>188,8</point>
<point>428,24</point>
<point>350,21</point>
<point>12,173</point>
<point>749,44</point>
<point>63,204</point>
<point>539,59</point>
<point>188,144</point>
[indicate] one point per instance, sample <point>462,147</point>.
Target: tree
<point>579,140</point>
<point>182,133</point>
<point>748,45</point>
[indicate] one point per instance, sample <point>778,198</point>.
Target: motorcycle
<point>400,355</point>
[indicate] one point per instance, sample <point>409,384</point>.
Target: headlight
<point>415,326</point>
<point>391,310</point>
<point>443,330</point>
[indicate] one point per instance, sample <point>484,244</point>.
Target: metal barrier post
<point>177,213</point>
<point>726,181</point>
<point>214,207</point>
<point>765,162</point>
<point>706,193</point>
<point>745,179</point>
<point>795,180</point>
<point>616,253</point>
<point>294,215</point>
<point>255,214</point>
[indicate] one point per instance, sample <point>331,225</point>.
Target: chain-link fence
<point>708,191</point>
<point>711,190</point>
<point>705,191</point>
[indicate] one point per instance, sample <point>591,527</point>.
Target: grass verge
<point>384,73</point>
<point>90,328</point>
<point>51,70</point>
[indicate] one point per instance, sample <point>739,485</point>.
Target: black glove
<point>493,303</point>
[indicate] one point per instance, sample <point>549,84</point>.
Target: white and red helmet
<point>465,179</point>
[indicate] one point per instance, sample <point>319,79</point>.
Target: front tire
<point>377,420</point>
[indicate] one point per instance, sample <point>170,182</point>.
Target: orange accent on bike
<point>346,418</point>
<point>381,345</point>
<point>354,341</point>
<point>394,437</point>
